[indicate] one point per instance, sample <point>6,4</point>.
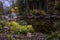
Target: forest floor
<point>34,36</point>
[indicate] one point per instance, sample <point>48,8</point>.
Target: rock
<point>6,28</point>
<point>29,35</point>
<point>15,36</point>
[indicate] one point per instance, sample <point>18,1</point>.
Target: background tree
<point>1,7</point>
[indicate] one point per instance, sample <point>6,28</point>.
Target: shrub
<point>30,28</point>
<point>18,28</point>
<point>23,30</point>
<point>15,27</point>
<point>2,24</point>
<point>0,28</point>
<point>54,36</point>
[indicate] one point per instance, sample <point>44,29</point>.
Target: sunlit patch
<point>7,3</point>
